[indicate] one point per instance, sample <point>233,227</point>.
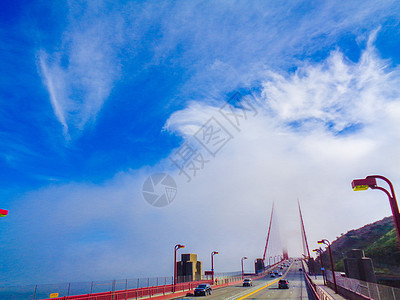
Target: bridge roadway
<point>265,288</point>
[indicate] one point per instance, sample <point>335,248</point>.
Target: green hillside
<point>378,240</point>
<point>385,253</point>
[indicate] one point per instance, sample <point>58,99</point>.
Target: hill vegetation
<point>379,242</point>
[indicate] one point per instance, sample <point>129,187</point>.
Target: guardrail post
<point>113,289</point>
<point>137,288</point>
<point>34,292</point>
<point>126,289</point>
<point>377,289</point>
<point>91,291</point>
<point>369,292</point>
<point>69,286</point>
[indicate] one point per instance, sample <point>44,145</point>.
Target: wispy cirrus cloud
<point>227,46</point>
<point>84,68</point>
<point>81,72</point>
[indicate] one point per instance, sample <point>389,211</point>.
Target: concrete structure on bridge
<point>189,268</point>
<point>358,266</point>
<point>259,265</point>
<point>312,266</point>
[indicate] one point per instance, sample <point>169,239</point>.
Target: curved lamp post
<point>370,182</point>
<point>319,251</point>
<point>178,246</point>
<point>243,258</point>
<point>326,242</point>
<point>212,264</point>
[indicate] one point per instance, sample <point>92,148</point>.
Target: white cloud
<point>81,73</point>
<point>226,207</point>
<point>272,161</point>
<point>227,204</point>
<point>229,45</point>
<point>221,46</point>
<point>335,91</point>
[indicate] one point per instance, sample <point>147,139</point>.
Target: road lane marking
<point>235,296</point>
<point>265,286</point>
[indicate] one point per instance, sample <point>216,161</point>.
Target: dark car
<point>247,282</point>
<point>283,284</point>
<point>203,289</point>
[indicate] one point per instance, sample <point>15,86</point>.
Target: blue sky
<point>95,96</point>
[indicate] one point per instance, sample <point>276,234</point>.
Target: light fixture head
<point>363,184</point>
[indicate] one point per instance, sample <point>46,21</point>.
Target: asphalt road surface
<point>265,288</point>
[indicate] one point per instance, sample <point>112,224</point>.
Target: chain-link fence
<point>368,289</point>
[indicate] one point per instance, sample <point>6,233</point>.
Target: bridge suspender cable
<point>269,230</point>
<point>303,232</point>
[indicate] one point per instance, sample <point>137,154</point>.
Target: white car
<point>247,282</point>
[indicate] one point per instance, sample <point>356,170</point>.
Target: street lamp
<point>370,182</point>
<point>326,242</point>
<point>212,264</point>
<point>178,246</point>
<point>243,258</point>
<point>322,263</point>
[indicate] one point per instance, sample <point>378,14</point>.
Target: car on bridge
<point>247,282</point>
<point>283,284</point>
<point>203,289</point>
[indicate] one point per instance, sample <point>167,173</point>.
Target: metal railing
<point>121,289</point>
<point>43,291</point>
<point>371,290</point>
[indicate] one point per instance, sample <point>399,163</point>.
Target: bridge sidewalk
<point>330,293</point>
